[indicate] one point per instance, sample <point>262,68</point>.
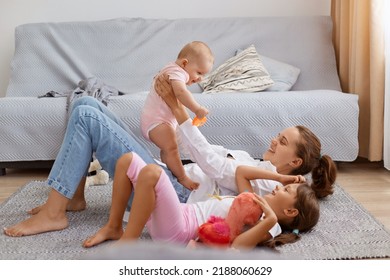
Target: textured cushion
<point>244,73</point>
<point>284,75</point>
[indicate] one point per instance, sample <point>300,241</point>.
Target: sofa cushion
<point>243,72</point>
<point>284,75</point>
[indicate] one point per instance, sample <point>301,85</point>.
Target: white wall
<point>16,12</point>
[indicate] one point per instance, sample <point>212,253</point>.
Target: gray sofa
<point>126,53</point>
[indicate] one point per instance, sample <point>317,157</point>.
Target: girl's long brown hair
<point>308,216</point>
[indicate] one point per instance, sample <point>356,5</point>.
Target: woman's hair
<point>322,167</point>
<point>308,207</point>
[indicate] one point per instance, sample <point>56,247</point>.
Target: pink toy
<point>221,232</point>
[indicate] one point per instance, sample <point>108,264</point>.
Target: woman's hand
<point>291,179</point>
<point>165,91</point>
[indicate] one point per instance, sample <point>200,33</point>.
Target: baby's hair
<point>322,167</point>
<point>308,207</point>
<point>195,48</point>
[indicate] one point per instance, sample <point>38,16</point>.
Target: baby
<point>157,121</point>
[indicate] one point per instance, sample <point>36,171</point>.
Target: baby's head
<point>196,59</point>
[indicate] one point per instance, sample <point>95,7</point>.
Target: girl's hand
<point>291,179</point>
<point>267,210</point>
<point>259,233</point>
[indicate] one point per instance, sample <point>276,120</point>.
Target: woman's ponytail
<point>324,176</point>
<point>322,168</point>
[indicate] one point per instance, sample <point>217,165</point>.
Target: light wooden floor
<point>367,182</point>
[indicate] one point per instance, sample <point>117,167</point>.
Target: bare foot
<point>76,205</point>
<point>41,222</point>
<point>188,183</point>
<point>73,205</point>
<point>104,234</point>
<point>35,210</point>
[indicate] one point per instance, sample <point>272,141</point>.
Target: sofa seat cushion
<point>248,121</point>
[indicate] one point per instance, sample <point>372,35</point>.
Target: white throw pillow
<point>243,72</point>
<point>284,75</point>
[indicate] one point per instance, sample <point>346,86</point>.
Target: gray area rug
<point>345,231</point>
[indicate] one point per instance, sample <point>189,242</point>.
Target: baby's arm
<point>187,99</point>
<point>244,174</point>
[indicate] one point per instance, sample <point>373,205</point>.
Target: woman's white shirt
<point>214,171</point>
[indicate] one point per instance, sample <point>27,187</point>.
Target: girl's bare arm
<point>244,174</point>
<point>260,232</point>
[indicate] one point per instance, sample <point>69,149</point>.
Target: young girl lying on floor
<point>156,205</point>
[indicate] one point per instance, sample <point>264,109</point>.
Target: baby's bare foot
<point>188,183</point>
<point>41,222</point>
<point>104,234</point>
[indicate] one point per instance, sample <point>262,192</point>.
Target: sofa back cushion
<point>127,52</point>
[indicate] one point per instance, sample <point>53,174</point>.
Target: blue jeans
<point>94,129</point>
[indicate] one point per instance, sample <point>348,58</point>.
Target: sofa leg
<point>2,171</point>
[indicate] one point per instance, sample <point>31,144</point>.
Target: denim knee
<point>84,100</point>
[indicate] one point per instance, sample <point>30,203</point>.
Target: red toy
<point>221,232</point>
